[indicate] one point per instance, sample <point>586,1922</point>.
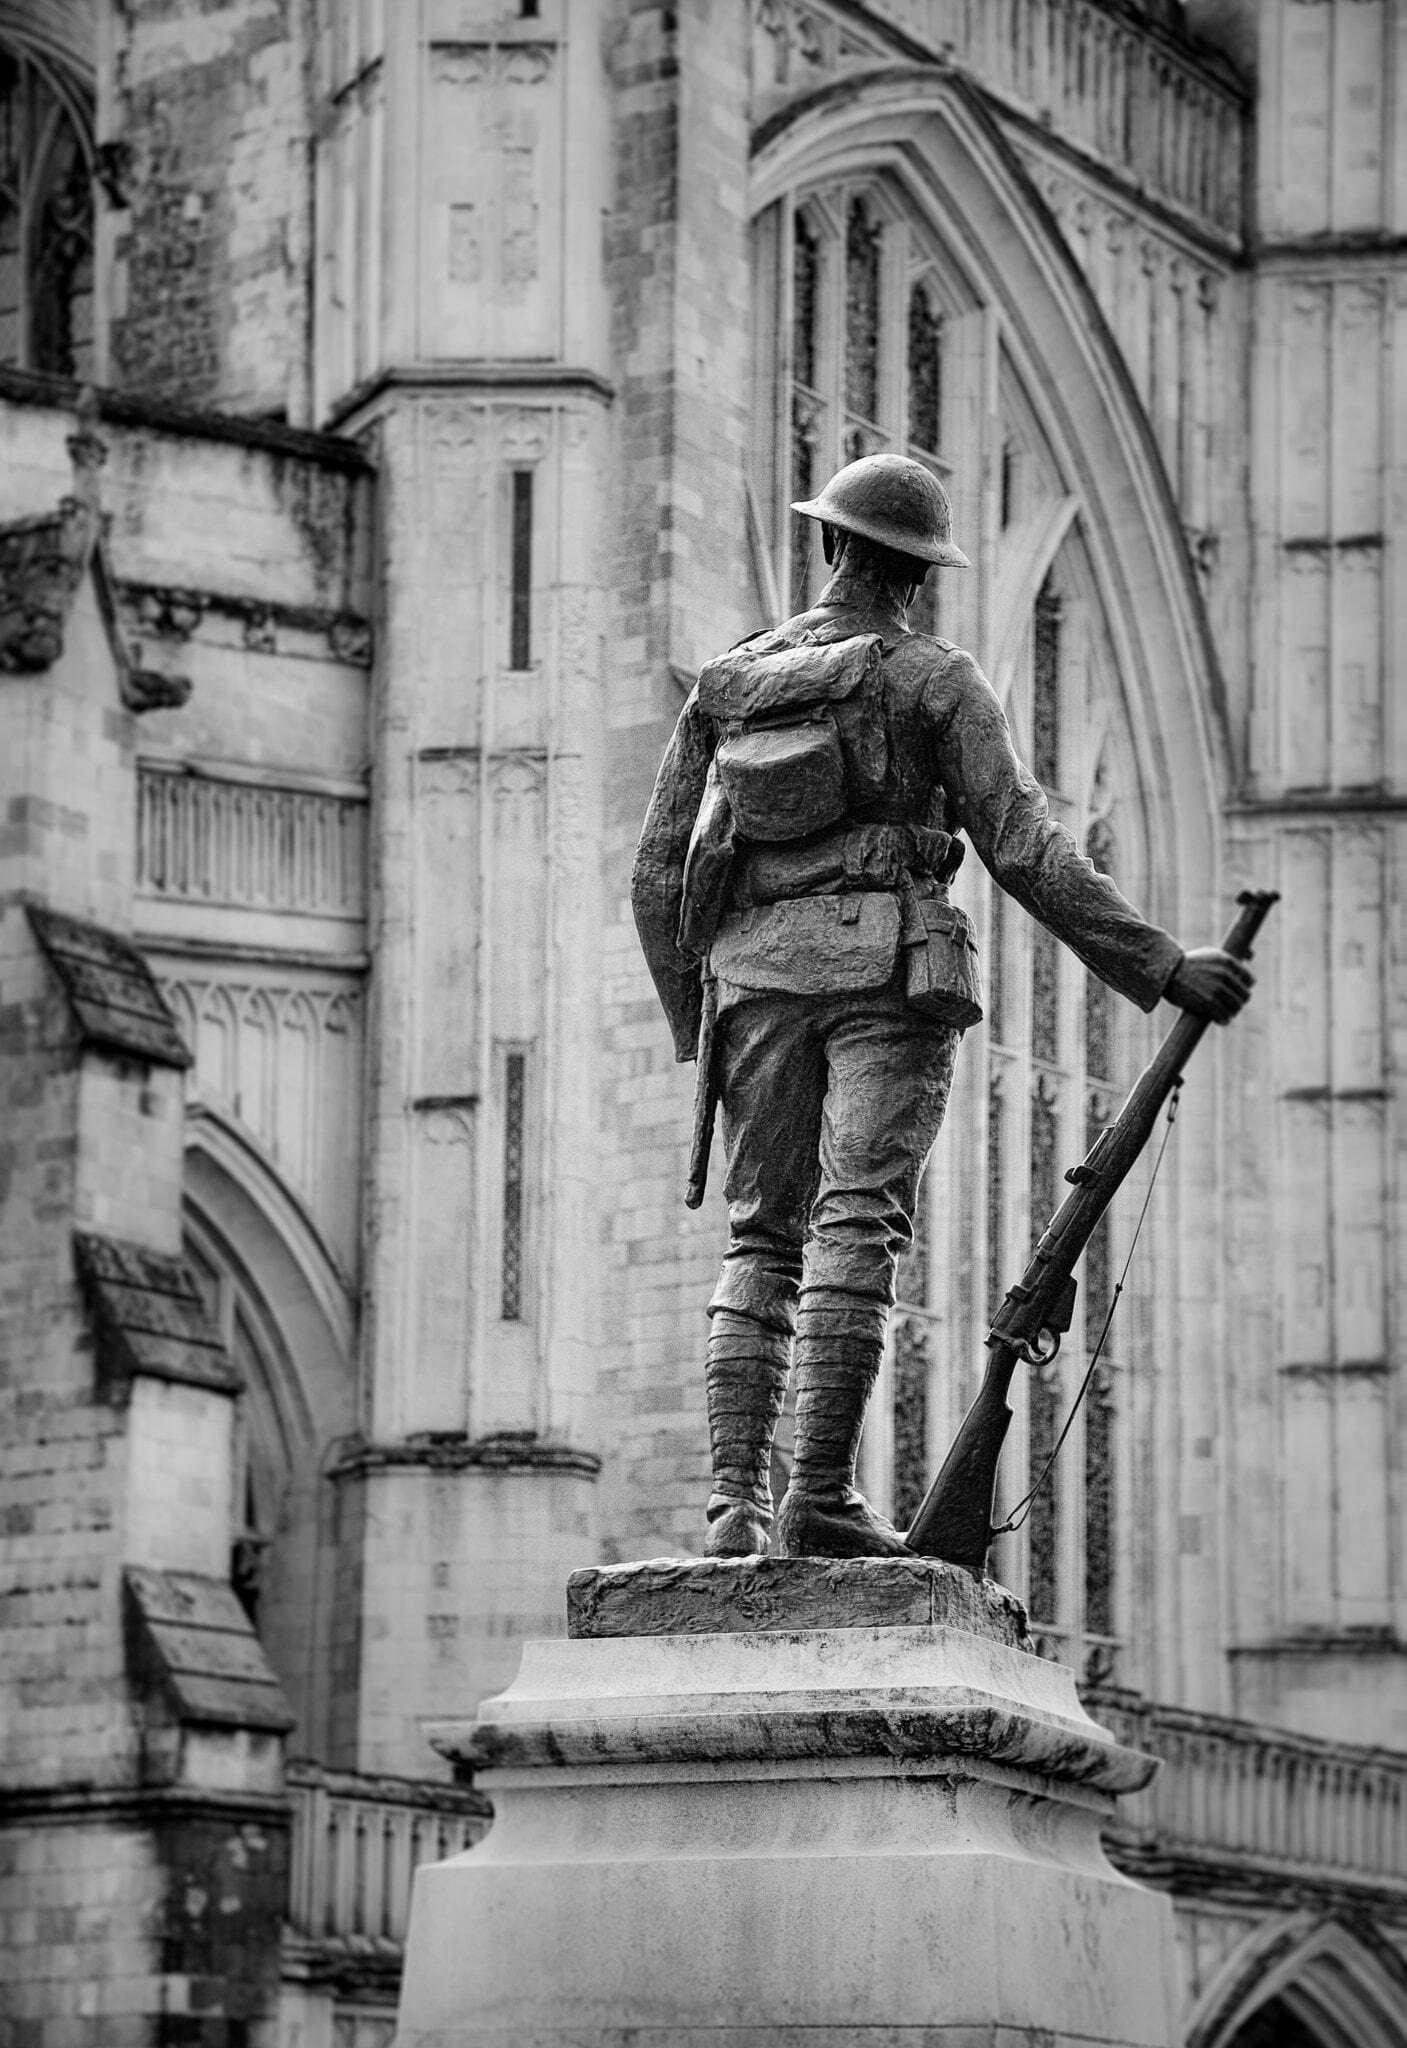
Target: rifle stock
<point>954,1520</point>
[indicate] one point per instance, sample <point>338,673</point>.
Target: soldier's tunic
<point>832,1095</point>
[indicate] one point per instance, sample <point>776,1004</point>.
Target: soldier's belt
<point>869,856</point>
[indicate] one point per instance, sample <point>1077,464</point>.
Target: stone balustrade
<point>1106,83</point>
<point>256,845</point>
<point>356,1843</point>
<point>1229,1794</point>
<point>1159,114</point>
<point>1233,1794</point>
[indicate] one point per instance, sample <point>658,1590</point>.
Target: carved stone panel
<point>491,259</point>
<point>442,1289</point>
<point>282,1054</point>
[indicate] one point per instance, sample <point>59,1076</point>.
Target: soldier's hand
<point>1210,984</point>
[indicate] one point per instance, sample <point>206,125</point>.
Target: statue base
<point>800,1802</point>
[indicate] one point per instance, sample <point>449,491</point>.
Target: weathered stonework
<point>711,1595</point>
<point>109,988</point>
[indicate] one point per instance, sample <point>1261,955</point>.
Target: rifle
<point>954,1520</point>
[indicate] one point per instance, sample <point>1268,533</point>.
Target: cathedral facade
<point>399,403</point>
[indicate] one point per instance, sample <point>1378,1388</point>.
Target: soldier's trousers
<point>830,1107</point>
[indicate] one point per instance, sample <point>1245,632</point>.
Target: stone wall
<point>677,265</point>
<point>207,294</point>
<point>144,1854</point>
<point>1320,1618</point>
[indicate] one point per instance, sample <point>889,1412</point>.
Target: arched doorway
<point>287,1316</point>
<point>1275,2025</point>
<point>1301,1981</point>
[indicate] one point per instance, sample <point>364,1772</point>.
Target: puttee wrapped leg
<point>839,1343</point>
<point>747,1378</point>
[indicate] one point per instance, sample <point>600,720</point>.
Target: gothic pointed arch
<point>1305,1978</point>
<point>61,34</point>
<point>289,1322</point>
<point>915,294</point>
<point>924,134</point>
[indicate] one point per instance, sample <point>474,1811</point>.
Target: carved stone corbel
<point>42,560</point>
<point>141,689</point>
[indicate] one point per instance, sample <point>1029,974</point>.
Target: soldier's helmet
<point>894,500</point>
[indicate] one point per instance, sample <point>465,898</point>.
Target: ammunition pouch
<point>940,952</point>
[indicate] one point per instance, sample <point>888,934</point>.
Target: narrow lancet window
<point>862,248</point>
<point>520,623</point>
<point>1046,695</point>
<point>925,373</point>
<point>1044,1383</point>
<point>1099,999</point>
<point>515,1077</point>
<point>46,222</point>
<point>806,283</point>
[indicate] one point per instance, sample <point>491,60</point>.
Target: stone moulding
<point>149,1317</point>
<point>111,993</point>
<point>189,1638</point>
<point>906,1695</point>
<point>507,1451</point>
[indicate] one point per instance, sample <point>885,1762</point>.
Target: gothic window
<point>1059,1049</point>
<point>807,406</point>
<point>925,372</point>
<point>862,328</point>
<point>910,1366</point>
<point>46,221</point>
<point>862,337</point>
<point>1043,1395</point>
<point>1045,689</point>
<point>1074,1049</point>
<point>254,1488</point>
<point>870,337</point>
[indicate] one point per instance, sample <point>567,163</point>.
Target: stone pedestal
<point>805,1803</point>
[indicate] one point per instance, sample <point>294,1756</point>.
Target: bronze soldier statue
<point>791,894</point>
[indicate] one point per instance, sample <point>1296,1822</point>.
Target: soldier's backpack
<point>802,739</point>
<point>802,732</point>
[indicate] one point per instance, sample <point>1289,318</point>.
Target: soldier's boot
<point>747,1381</point>
<point>839,1342</point>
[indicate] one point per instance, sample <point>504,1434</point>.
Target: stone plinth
<point>743,1832</point>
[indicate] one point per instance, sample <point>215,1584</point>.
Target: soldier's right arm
<point>657,880</point>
